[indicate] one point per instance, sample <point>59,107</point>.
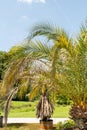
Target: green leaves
<point>59,65</point>
<point>37,49</point>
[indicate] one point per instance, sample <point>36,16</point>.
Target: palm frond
<point>13,73</point>
<point>41,29</point>
<point>37,49</point>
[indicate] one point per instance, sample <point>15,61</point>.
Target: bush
<point>61,99</point>
<point>66,124</point>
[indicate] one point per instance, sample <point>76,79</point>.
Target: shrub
<point>66,124</point>
<point>61,99</point>
<point>59,126</point>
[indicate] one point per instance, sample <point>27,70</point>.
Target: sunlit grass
<point>22,109</point>
<point>27,109</point>
<point>61,111</point>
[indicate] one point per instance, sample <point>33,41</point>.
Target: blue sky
<point>18,16</point>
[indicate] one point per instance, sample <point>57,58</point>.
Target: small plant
<point>0,114</point>
<point>66,124</point>
<point>59,126</point>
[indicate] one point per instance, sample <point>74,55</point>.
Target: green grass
<point>27,109</point>
<point>22,109</point>
<point>61,111</point>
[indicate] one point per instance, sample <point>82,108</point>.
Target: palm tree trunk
<point>7,105</point>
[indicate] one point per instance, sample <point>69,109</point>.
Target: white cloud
<point>31,1</point>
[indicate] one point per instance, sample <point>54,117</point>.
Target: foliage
<point>3,63</point>
<point>61,99</point>
<point>59,126</point>
<point>22,71</point>
<point>79,115</point>
<point>69,64</point>
<point>66,124</point>
<point>74,83</point>
<point>60,68</point>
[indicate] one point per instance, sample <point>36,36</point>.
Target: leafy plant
<point>66,124</point>
<point>59,126</point>
<point>62,100</point>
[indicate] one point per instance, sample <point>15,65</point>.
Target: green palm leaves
<point>57,65</point>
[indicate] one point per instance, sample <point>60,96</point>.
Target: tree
<point>73,70</point>
<point>3,63</point>
<point>21,71</point>
<point>65,65</point>
<point>4,60</point>
<point>61,43</point>
<point>80,74</point>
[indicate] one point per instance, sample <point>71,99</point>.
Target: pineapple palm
<point>75,81</point>
<point>82,80</point>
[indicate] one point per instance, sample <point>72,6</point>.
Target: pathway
<point>33,120</point>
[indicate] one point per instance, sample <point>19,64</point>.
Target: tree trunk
<point>7,105</point>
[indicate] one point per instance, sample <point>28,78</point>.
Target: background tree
<point>3,63</point>
<point>4,60</point>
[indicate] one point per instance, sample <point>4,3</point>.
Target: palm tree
<point>50,56</point>
<point>61,43</point>
<point>71,75</point>
<point>43,85</point>
<point>79,110</point>
<point>65,65</point>
<point>24,69</point>
<point>73,80</point>
<point>11,78</point>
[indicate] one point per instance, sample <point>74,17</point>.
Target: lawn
<point>27,109</point>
